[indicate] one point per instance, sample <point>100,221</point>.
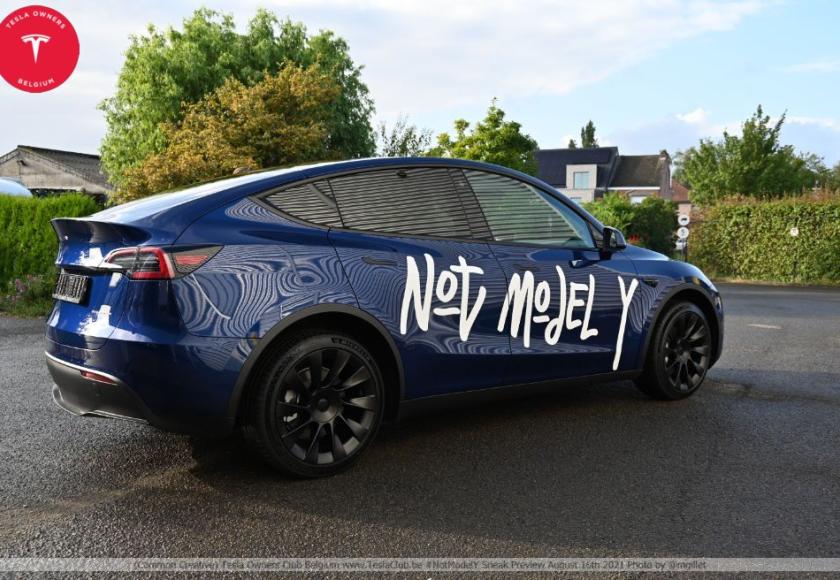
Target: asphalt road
<point>749,466</point>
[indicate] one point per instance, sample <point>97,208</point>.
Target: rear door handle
<point>525,267</point>
<point>378,262</point>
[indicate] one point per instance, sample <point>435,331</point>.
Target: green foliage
<point>751,240</point>
<point>650,224</point>
<point>28,296</point>
<point>587,136</point>
<point>402,140</point>
<point>572,144</point>
<point>165,69</point>
<point>277,121</point>
<point>754,164</point>
<point>493,140</point>
<point>29,246</point>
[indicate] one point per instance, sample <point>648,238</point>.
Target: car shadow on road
<point>596,466</point>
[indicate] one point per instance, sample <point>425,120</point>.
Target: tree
<point>754,164</point>
<point>402,140</point>
<point>493,140</point>
<point>832,178</point>
<point>277,121</point>
<point>572,144</point>
<point>164,69</point>
<point>587,136</point>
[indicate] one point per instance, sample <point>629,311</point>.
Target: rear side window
<point>312,202</point>
<point>416,201</point>
<point>517,212</point>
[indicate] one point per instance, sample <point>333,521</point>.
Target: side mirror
<point>613,240</point>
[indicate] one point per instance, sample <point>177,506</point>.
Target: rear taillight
<point>151,263</point>
<point>146,263</point>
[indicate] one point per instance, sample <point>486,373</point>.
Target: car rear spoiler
<point>95,232</point>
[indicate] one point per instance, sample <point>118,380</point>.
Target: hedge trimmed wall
<point>28,244</point>
<point>751,240</point>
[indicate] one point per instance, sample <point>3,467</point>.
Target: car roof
<point>173,211</point>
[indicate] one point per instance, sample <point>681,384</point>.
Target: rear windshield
<point>148,206</point>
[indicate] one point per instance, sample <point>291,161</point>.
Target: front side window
<point>581,179</point>
<point>518,212</point>
<point>419,201</point>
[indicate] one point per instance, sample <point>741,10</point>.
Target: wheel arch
<point>698,297</point>
<point>339,317</point>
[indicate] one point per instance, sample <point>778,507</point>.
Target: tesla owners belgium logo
<point>40,49</point>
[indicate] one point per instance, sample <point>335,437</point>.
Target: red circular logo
<point>40,49</point>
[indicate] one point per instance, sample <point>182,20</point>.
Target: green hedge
<point>751,240</point>
<point>28,245</point>
<point>650,224</point>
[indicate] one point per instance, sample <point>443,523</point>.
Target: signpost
<point>682,235</point>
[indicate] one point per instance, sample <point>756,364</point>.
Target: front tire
<point>316,404</point>
<point>679,354</point>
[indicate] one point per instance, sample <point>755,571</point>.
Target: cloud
<point>822,122</point>
<point>820,66</point>
<point>820,135</point>
<point>420,56</point>
<point>424,55</point>
<point>696,117</point>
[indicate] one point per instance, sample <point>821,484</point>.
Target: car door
<point>565,300</point>
<point>406,247</point>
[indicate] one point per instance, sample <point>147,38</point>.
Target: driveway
<point>750,466</point>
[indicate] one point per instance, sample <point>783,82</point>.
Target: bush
<point>28,296</point>
<point>28,246</point>
<point>751,240</point>
<point>650,224</point>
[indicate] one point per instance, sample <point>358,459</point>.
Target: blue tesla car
<point>304,306</point>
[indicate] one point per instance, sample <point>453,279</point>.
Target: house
<point>584,175</point>
<point>50,171</point>
<point>679,195</point>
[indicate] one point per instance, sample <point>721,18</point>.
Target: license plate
<point>71,287</point>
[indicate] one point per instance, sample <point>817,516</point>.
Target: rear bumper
<point>182,388</point>
<point>79,395</point>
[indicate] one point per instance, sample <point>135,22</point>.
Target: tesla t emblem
<point>35,40</point>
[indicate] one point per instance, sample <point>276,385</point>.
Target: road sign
<point>682,233</point>
<point>794,231</point>
<point>683,220</point>
<point>680,244</point>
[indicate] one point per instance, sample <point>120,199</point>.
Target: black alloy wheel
<point>686,350</point>
<point>679,354</point>
<point>318,406</point>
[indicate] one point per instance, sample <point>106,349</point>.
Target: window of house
<point>517,212</point>
<point>419,201</point>
<point>580,179</point>
<point>311,202</point>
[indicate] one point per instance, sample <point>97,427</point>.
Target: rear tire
<point>679,354</point>
<point>315,404</point>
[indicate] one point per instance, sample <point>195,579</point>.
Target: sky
<point>651,74</point>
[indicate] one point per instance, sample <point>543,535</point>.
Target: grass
<point>28,297</point>
<point>28,309</point>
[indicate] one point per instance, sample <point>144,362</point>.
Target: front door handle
<point>378,262</point>
<point>581,263</point>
